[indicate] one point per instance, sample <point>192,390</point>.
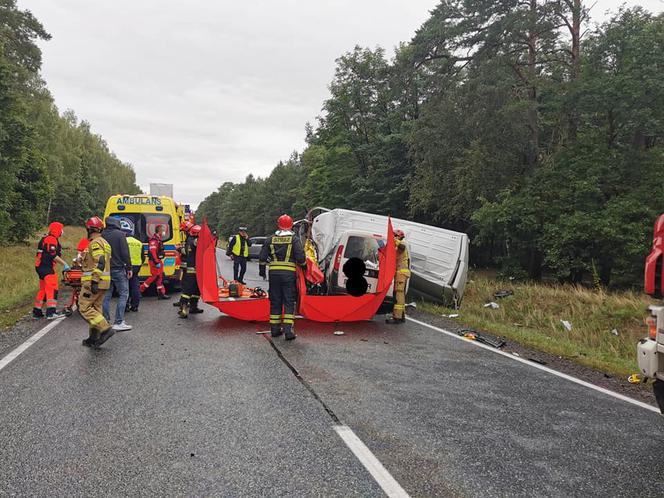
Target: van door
<point>354,245</point>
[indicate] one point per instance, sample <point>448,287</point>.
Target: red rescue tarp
<point>250,310</point>
<point>316,308</point>
<point>349,308</point>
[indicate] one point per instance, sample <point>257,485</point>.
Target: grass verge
<point>532,317</point>
<point>20,281</point>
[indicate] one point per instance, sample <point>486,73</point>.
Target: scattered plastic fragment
<point>567,325</point>
<point>453,315</point>
<point>535,360</point>
<point>634,379</point>
<point>412,305</point>
<point>500,294</point>
<point>364,340</point>
<point>339,332</point>
<point>492,305</point>
<point>615,332</point>
<point>514,353</point>
<point>473,335</point>
<point>262,331</point>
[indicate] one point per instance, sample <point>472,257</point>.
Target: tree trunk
<point>533,120</point>
<point>576,63</point>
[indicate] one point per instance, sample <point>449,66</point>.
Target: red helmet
<point>95,222</point>
<point>285,222</point>
<point>399,234</point>
<point>185,226</point>
<point>195,230</point>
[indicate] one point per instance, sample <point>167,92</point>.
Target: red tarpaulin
<point>316,308</point>
<point>349,308</point>
<point>250,310</point>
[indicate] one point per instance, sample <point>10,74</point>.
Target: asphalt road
<point>207,407</point>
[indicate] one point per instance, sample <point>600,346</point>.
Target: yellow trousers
<point>90,307</point>
<point>399,309</point>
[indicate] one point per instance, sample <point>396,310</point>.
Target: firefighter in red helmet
<point>96,280</point>
<point>190,293</point>
<point>49,252</point>
<point>282,253</point>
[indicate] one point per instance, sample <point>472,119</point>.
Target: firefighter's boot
<point>290,332</point>
<point>275,330</point>
<point>193,306</point>
<point>183,312</point>
<point>105,336</point>
<point>37,313</point>
<point>93,338</point>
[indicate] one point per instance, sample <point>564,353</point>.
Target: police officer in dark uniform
<point>190,293</point>
<point>282,252</point>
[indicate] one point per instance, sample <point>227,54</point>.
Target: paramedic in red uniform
<point>48,253</point>
<point>156,260</point>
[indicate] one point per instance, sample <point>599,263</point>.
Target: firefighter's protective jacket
<point>191,244</point>
<point>403,258</point>
<point>282,252</point>
<point>97,263</point>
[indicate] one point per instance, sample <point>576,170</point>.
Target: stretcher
<point>72,278</point>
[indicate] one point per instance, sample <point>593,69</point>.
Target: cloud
<point>201,92</point>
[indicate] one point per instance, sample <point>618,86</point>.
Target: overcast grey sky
<point>201,92</point>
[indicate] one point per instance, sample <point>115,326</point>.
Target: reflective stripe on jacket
<point>282,252</point>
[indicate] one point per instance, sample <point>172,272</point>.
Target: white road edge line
<point>34,338</point>
<point>540,367</point>
<point>384,479</point>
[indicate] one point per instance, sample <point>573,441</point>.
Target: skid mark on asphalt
<point>551,371</point>
<point>31,340</point>
<point>388,484</point>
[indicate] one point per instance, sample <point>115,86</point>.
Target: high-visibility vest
<point>135,251</point>
<point>240,246</point>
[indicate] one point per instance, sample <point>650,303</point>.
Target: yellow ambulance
<point>143,214</point>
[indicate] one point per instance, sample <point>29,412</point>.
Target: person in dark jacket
<point>238,250</point>
<point>282,252</point>
<point>120,273</point>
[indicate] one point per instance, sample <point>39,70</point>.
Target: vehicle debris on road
<point>474,335</point>
<point>567,325</point>
<point>492,305</point>
<point>500,294</point>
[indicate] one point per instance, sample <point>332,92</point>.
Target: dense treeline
<point>52,167</point>
<point>510,120</point>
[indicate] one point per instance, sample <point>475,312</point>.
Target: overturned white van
<point>439,257</point>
